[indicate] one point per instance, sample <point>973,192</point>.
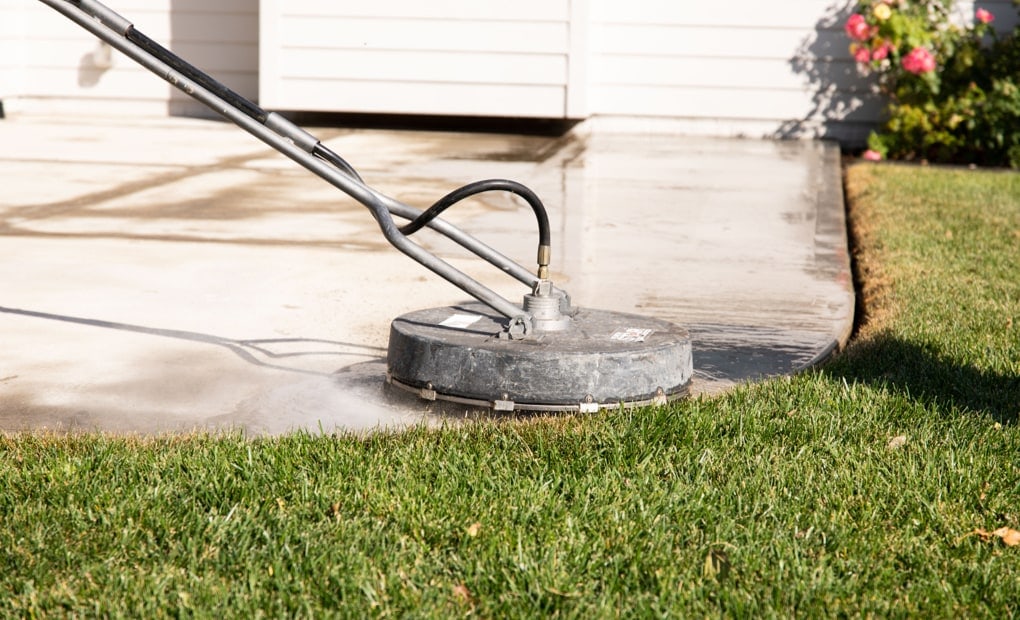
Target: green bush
<point>953,91</point>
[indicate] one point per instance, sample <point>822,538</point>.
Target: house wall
<point>747,67</point>
<point>460,57</point>
<point>739,68</point>
<point>49,64</point>
<point>12,33</point>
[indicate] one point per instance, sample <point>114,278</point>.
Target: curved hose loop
<point>478,187</point>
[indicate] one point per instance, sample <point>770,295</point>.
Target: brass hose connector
<point>544,254</point>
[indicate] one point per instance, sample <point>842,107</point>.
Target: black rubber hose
<point>478,187</point>
<point>194,73</point>
<point>328,155</point>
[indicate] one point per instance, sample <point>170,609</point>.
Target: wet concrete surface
<point>172,274</point>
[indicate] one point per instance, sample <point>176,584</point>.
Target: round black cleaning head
<point>602,359</point>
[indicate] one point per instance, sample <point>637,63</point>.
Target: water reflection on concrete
<point>742,241</point>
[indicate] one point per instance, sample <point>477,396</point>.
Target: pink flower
<point>919,61</point>
<point>872,155</point>
<point>861,53</point>
<point>881,52</point>
<point>857,28</point>
<point>983,16</point>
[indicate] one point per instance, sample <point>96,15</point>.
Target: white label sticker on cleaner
<point>460,321</point>
<point>631,334</point>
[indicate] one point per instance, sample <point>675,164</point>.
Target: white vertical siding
<point>578,59</point>
<point>58,67</point>
<point>743,67</point>
<point>459,57</point>
<point>740,67</point>
<point>219,37</point>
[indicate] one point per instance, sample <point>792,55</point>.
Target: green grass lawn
<point>855,489</point>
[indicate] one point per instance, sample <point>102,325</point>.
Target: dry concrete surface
<point>172,274</point>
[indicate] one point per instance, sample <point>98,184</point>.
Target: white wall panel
<point>519,10</point>
<point>12,34</point>
<point>455,57</point>
<point>425,67</point>
<point>734,14</point>
<point>401,33</point>
<point>437,98</point>
<point>55,68</point>
<point>780,66</point>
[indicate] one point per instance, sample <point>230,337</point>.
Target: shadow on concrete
<point>731,354</point>
<point>259,352</point>
<point>926,375</point>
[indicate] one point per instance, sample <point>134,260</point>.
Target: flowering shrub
<point>953,91</point>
